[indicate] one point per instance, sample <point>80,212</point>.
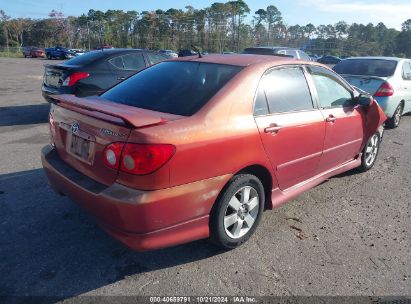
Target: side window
<point>117,62</point>
<point>154,58</point>
<point>331,92</point>
<point>292,53</point>
<point>287,90</point>
<point>406,70</point>
<point>134,61</point>
<point>260,105</point>
<point>304,56</point>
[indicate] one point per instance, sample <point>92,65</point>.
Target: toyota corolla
<point>200,147</point>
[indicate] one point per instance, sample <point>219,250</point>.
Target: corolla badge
<point>108,132</point>
<point>75,127</point>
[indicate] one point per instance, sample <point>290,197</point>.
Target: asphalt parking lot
<point>348,236</point>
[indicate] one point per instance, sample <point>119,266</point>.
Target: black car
<point>96,71</point>
<point>329,59</point>
<point>185,53</point>
<point>277,50</point>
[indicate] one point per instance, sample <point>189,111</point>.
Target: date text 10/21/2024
<point>203,299</point>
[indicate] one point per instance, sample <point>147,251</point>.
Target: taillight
<point>138,159</point>
<point>143,159</point>
<point>74,78</point>
<point>385,90</point>
<point>112,155</point>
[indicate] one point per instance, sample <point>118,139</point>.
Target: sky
<point>294,12</point>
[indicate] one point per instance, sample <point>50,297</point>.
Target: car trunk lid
<point>369,84</point>
<point>54,75</point>
<point>83,127</point>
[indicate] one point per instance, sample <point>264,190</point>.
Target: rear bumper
<point>46,91</point>
<point>142,220</point>
<point>388,105</point>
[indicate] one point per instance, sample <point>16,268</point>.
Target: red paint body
<point>172,205</point>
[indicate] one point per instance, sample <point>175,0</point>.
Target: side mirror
<point>364,100</point>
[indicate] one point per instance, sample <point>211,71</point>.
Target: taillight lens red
<point>385,90</point>
<point>72,79</point>
<point>112,155</point>
<point>143,159</point>
<point>138,159</point>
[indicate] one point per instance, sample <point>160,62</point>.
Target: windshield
<point>366,67</point>
<point>180,88</point>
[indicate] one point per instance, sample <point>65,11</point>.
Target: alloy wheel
<point>371,150</point>
<point>241,212</point>
<point>397,115</point>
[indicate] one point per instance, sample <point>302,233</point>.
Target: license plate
<point>80,147</point>
<point>52,81</point>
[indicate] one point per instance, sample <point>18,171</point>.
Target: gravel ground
<point>354,239</point>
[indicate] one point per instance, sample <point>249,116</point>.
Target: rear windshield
<point>180,88</point>
<point>86,58</point>
<point>366,67</point>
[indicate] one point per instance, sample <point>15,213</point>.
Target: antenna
<point>197,50</point>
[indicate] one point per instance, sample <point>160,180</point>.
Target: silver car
<point>169,53</point>
<point>388,79</point>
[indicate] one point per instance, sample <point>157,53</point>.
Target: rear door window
<point>304,56</point>
<point>157,88</point>
<point>331,91</point>
<point>155,57</point>
<point>117,62</point>
<point>134,61</point>
<point>292,53</point>
<point>287,90</point>
<point>260,104</point>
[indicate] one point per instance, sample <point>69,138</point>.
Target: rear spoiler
<point>113,112</point>
<point>364,77</point>
<point>61,66</point>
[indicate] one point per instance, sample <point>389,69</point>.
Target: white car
<point>388,79</point>
<point>169,53</point>
<point>78,52</point>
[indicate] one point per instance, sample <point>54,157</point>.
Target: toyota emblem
<point>75,128</point>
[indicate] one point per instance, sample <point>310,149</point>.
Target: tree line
<point>229,26</point>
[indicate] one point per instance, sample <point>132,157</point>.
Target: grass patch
<point>11,54</point>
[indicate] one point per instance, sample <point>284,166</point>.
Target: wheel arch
<point>402,103</point>
<point>263,174</point>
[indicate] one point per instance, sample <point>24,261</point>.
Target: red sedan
<point>199,147</point>
<point>34,52</point>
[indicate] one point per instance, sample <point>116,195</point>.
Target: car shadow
<point>50,247</point>
<point>24,115</point>
<point>351,172</point>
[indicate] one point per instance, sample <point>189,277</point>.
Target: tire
<point>48,56</point>
<point>395,120</point>
<point>237,212</point>
<point>370,152</point>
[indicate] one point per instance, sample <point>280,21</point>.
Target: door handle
<point>331,118</point>
<point>272,129</point>
<point>121,78</point>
